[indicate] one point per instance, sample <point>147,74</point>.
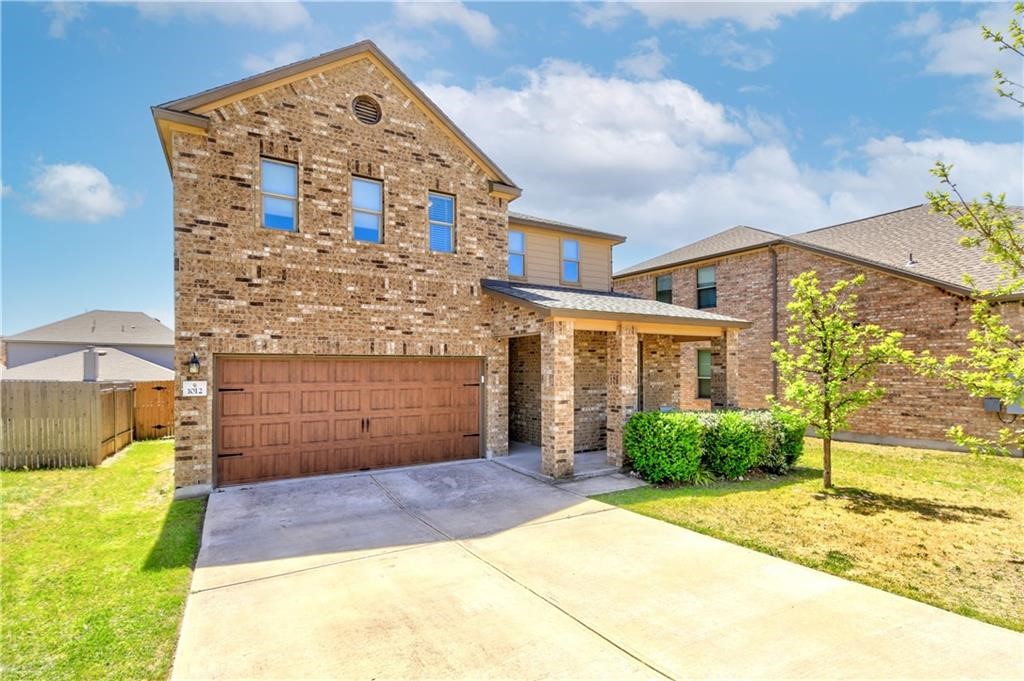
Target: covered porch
<point>577,368</point>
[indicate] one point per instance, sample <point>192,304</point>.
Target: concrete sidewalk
<point>472,571</point>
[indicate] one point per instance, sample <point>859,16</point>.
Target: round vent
<point>366,109</point>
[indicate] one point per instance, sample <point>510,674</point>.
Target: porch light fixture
<point>193,364</point>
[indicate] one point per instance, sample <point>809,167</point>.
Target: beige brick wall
<point>590,380</point>
<point>241,288</point>
<point>914,409</point>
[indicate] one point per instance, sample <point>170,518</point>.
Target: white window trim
<point>449,225</point>
<point>562,260</point>
<point>275,195</point>
<point>518,277</point>
<point>703,378</point>
<point>352,201</point>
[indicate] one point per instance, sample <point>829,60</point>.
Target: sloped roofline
<point>190,111</point>
<point>32,336</point>
<point>544,223</point>
<point>828,252</point>
<point>717,254</point>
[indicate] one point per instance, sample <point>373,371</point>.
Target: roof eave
<point>688,261</point>
<point>168,120</point>
<point>571,229</point>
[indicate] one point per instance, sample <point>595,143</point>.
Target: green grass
<point>940,527</point>
<point>96,567</point>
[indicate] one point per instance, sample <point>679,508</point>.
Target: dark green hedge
<point>684,446</point>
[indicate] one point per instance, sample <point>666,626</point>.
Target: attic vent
<point>366,109</point>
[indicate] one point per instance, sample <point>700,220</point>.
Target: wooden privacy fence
<point>154,409</point>
<point>53,424</point>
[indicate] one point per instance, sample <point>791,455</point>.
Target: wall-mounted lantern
<point>193,364</point>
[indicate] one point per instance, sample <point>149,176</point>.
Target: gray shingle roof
<point>885,241</point>
<point>523,218</point>
<point>101,327</point>
<point>891,238</point>
<point>572,302</point>
<point>738,238</point>
<point>115,365</point>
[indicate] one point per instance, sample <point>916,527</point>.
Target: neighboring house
<point>133,333</point>
<point>94,364</point>
<point>914,267</point>
<point>357,294</point>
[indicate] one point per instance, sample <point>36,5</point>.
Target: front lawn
<point>96,566</point>
<point>940,527</point>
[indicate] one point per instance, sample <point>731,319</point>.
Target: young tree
<point>994,363</point>
<point>828,365</point>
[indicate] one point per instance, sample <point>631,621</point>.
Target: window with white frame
<point>279,186</point>
<point>707,289</point>
<point>663,288</point>
<point>516,254</point>
<point>441,213</point>
<point>367,210</point>
<point>570,261</point>
<point>704,373</point>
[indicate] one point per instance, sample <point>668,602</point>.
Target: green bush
<point>691,446</point>
<point>663,447</point>
<point>793,430</point>
<point>734,446</point>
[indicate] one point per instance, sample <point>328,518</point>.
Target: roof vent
<point>366,109</point>
<point>910,260</point>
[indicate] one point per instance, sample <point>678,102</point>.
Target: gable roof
<point>101,327</point>
<point>113,365</point>
<point>573,302</point>
<point>188,112</point>
<point>544,223</point>
<point>886,242</point>
<point>912,241</point>
<point>733,240</point>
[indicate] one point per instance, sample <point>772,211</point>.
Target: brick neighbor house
<point>914,266</point>
<point>354,291</point>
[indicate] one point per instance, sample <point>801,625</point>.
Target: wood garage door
<point>288,417</point>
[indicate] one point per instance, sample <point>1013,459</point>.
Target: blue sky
<point>664,122</point>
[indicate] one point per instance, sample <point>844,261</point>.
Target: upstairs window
<point>367,210</point>
<point>516,254</point>
<point>570,261</point>
<point>704,374</point>
<point>441,214</point>
<point>707,290</point>
<point>279,186</point>
<point>663,288</point>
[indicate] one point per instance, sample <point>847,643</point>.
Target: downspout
<point>775,314</point>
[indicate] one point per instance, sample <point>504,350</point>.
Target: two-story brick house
<point>913,265</point>
<point>352,287</point>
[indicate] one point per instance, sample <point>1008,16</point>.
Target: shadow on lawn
<point>864,502</point>
<point>178,542</point>
<point>723,488</point>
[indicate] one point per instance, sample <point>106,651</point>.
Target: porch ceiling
<point>605,310</point>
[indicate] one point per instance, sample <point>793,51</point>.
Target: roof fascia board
<point>693,261</point>
<point>569,229</point>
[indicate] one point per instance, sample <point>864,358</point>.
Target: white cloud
<point>285,54</point>
<point>647,60</point>
<point>752,15</point>
<point>922,24</point>
<point>474,24</point>
<point>736,54</point>
<point>268,16</point>
<point>397,46</point>
<point>62,14</point>
<point>74,192</point>
<point>6,190</point>
<point>658,161</point>
<point>753,89</point>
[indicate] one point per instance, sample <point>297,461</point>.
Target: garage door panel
<point>275,403</point>
<point>290,416</point>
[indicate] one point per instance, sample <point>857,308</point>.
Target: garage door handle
<point>228,456</point>
<point>230,390</point>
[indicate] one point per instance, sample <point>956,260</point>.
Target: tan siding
<point>543,258</point>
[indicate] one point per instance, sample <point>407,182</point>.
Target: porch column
<point>557,398</point>
<point>622,387</point>
<point>497,398</point>
<point>725,371</point>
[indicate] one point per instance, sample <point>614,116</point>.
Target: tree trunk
<point>826,473</point>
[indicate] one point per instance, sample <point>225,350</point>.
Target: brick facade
<point>241,288</point>
<point>915,410</point>
<point>557,397</point>
<point>524,390</point>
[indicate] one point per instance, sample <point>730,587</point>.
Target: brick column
<point>725,371</point>
<point>497,398</point>
<point>622,387</point>
<point>557,399</point>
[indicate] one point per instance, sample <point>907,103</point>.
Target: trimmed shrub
<point>734,445</point>
<point>692,446</point>
<point>663,447</point>
<point>793,430</point>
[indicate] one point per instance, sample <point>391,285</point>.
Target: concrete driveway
<point>470,570</point>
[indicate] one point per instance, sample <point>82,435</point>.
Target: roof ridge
<point>852,222</point>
